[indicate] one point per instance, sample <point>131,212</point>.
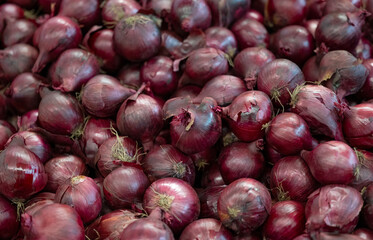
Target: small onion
<point>221,38</point>
<point>8,219</point>
<point>225,12</point>
<point>207,228</point>
<point>11,11</point>
<point>160,7</point>
<point>87,13</point>
<point>115,10</point>
<point>279,14</point>
<point>250,33</point>
<point>18,31</point>
<point>129,76</point>
<point>209,201</point>
<point>28,120</point>
<point>6,131</point>
<point>311,70</point>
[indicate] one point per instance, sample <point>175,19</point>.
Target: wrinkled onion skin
<point>207,228</point>
<point>147,229</point>
<point>8,219</point>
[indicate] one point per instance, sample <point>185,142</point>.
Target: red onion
<point>203,159</point>
<point>103,95</point>
<point>207,228</point>
<point>209,201</point>
<point>286,221</point>
<point>294,43</point>
<point>341,6</point>
<point>18,31</point>
<point>23,92</point>
<point>288,134</point>
<point>212,176</point>
<point>33,206</point>
<point>195,40</point>
<point>140,118</point>
<point>279,14</point>
<point>365,174</point>
<point>158,71</point>
<point>81,193</point>
<point>11,11</point>
<point>303,237</point>
<point>115,152</point>
<point>292,179</point>
<point>343,73</point>
<point>250,61</point>
<point>6,131</point>
<point>166,161</point>
<point>171,42</point>
<point>311,70</point>
<point>241,160</point>
<point>364,233</point>
<point>73,68</point>
<point>8,219</point>
<point>225,12</point>
<point>177,200</point>
<point>358,126</point>
<point>224,89</point>
<point>191,91</point>
<point>161,7</point>
<point>190,14</point>
<point>247,114</point>
<point>367,210</point>
<point>250,33</point>
<point>244,205</point>
<point>333,208</point>
<point>318,106</point>
<point>47,5</point>
<point>28,120</point>
<point>58,220</point>
<point>21,173</point>
<point>110,225</point>
<point>62,168</point>
<point>55,36</point>
<point>278,79</point>
<point>60,113</point>
<point>15,60</point>
<point>125,186</point>
<point>366,92</point>
<point>129,76</point>
<point>363,49</point>
<point>340,30</point>
<point>221,38</point>
<point>87,13</point>
<point>115,10</point>
<point>311,26</point>
<point>333,236</point>
<point>332,162</point>
<point>137,38</point>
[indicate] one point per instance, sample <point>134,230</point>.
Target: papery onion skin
<point>209,201</point>
<point>62,168</point>
<point>87,13</point>
<point>207,228</point>
<point>279,14</point>
<point>366,92</point>
<point>333,208</point>
<point>291,179</point>
<point>125,186</point>
<point>286,221</point>
<point>66,223</point>
<point>6,131</point>
<point>221,38</point>
<point>250,33</point>
<point>115,10</point>
<point>365,174</point>
<point>177,201</point>
<point>367,211</point>
<point>18,31</point>
<point>8,220</point>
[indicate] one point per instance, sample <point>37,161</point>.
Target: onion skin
<point>310,70</point>
<point>279,14</point>
<point>221,38</point>
<point>365,175</point>
<point>342,6</point>
<point>28,120</point>
<point>250,33</point>
<point>311,26</point>
<point>6,131</point>
<point>244,205</point>
<point>212,176</point>
<point>66,223</point>
<point>18,31</point>
<point>368,206</point>
<point>209,201</point>
<point>125,186</point>
<point>114,10</point>
<point>241,160</point>
<point>8,220</point>
<point>190,91</point>
<point>363,49</point>
<point>364,233</point>
<point>280,223</point>
<point>207,228</point>
<point>62,168</point>
<point>333,208</point>
<point>161,7</point>
<point>129,75</point>
<point>11,11</point>
<point>366,92</point>
<point>225,12</point>
<point>87,13</point>
<point>291,179</point>
<point>177,200</point>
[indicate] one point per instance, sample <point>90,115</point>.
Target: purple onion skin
<point>221,38</point>
<point>367,210</point>
<point>366,92</point>
<point>18,31</point>
<point>250,33</point>
<point>6,131</point>
<point>209,201</point>
<point>28,120</point>
<point>279,14</point>
<point>87,13</point>
<point>114,10</point>
<point>8,219</point>
<point>207,228</point>
<point>46,5</point>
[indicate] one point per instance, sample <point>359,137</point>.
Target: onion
<point>225,12</point>
<point>166,161</point>
<point>221,38</point>
<point>81,193</point>
<point>278,79</point>
<point>367,212</point>
<point>11,11</point>
<point>224,89</point>
<point>358,126</point>
<point>318,106</point>
<point>110,225</point>
<point>244,205</point>
<point>207,228</point>
<point>32,208</point>
<point>341,6</point>
<point>209,201</point>
<point>250,61</point>
<point>365,174</point>
<point>190,91</point>
<point>288,134</point>
<point>311,26</point>
<point>292,179</point>
<point>161,7</point>
<point>137,38</point>
<point>28,120</point>
<point>340,30</point>
<point>73,68</point>
<point>203,159</point>
<point>366,92</point>
<point>177,200</point>
<point>65,223</point>
<point>195,40</point>
<point>363,49</point>
<point>294,43</point>
<point>47,5</point>
<point>8,221</point>
<point>364,234</point>
<point>15,60</point>
<point>250,33</point>
<point>60,113</point>
<point>212,176</point>
<point>286,221</point>
<point>190,14</point>
<point>115,10</point>
<point>171,42</point>
<point>17,31</point>
<point>241,160</point>
<point>125,186</point>
<point>343,73</point>
<point>247,114</point>
<point>311,70</point>
<point>333,208</point>
<point>140,118</point>
<point>23,92</point>
<point>158,71</point>
<point>6,131</point>
<point>62,168</point>
<point>21,173</point>
<point>129,76</point>
<point>87,13</point>
<point>332,236</point>
<point>279,14</point>
<point>56,35</point>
